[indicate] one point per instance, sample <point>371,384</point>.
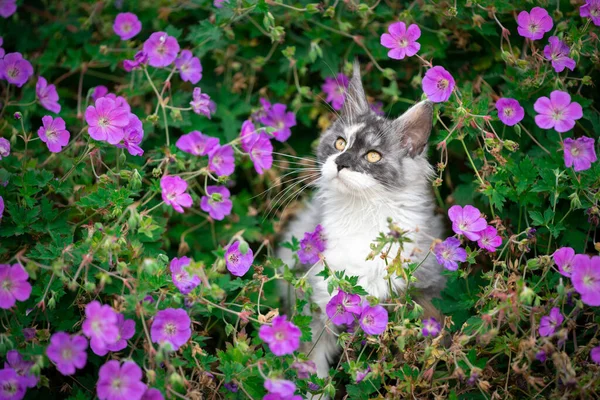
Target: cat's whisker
<point>282,194</point>
<point>291,197</point>
<point>311,160</point>
<point>280,182</point>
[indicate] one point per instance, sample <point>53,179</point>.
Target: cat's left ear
<point>414,127</point>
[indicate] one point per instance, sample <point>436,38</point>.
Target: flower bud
<point>244,247</point>
<point>18,115</point>
<point>527,294</point>
<point>216,197</point>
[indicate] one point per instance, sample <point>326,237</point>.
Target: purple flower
<point>361,375</point>
<point>53,133</point>
<point>595,353</point>
<point>106,120</point>
<point>216,202</point>
<point>10,383</point>
<point>181,277</point>
<point>304,369</point>
<point>541,356</point>
<point>431,327</point>
<point>280,387</point>
<point>261,113</point>
<point>139,59</point>
<point>172,326</point>
<point>311,246</point>
<point>534,24</point>
<point>248,135</point>
<point>7,8</point>
<point>586,278</point>
<point>510,111</point>
<point>47,95</point>
<point>489,239</point>
<point>283,337</point>
<point>1,50</point>
<point>564,259</point>
<point>202,104</point>
<point>221,160</point>
<point>449,253</point>
<point>161,49</point>
<point>238,263</point>
<point>558,52</point>
<point>99,91</point>
<point>13,284</point>
<point>119,102</point>
<point>133,134</point>
<point>173,193</point>
<point>377,108</point>
<point>401,41</point>
<point>120,382</point>
<point>591,9</point>
<point>127,25</point>
<point>549,323</point>
<point>152,394</point>
<point>335,89</point>
<point>281,120</point>
<point>579,153</point>
<point>261,154</point>
<point>438,84</point>
<point>67,352</point>
<point>373,320</point>
<point>467,221</point>
<point>196,143</point>
<point>232,387</point>
<point>4,148</point>
<point>29,333</point>
<point>1,211</point>
<point>100,326</point>
<point>126,331</point>
<point>342,308</point>
<point>557,112</point>
<point>189,67</point>
<point>15,69</point>
<point>21,367</point>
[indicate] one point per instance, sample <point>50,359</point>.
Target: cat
<point>371,169</point>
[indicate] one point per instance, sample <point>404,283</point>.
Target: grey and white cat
<point>372,169</point>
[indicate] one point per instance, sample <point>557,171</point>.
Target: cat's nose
<point>341,167</point>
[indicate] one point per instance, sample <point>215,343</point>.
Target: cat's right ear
<point>355,102</point>
<point>414,127</point>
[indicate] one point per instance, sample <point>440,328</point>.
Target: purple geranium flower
<point>283,337</point>
<point>281,120</point>
<point>126,331</point>
<point>152,394</point>
<point>181,277</point>
<point>591,9</point>
<point>173,193</point>
<point>580,153</point>
<point>53,133</point>
<point>401,41</point>
<point>373,320</point>
<point>304,369</point>
<point>99,91</point>
<point>67,352</point>
<point>237,263</point>
<point>47,95</point>
<point>4,148</point>
<point>202,104</point>
<point>557,111</point>
<point>541,356</point>
<point>217,202</point>
<point>248,135</point>
<point>449,253</point>
<point>431,327</point>
<point>106,120</point>
<point>13,284</point>
<point>564,258</point>
<point>342,308</point>
<point>1,208</point>
<point>172,326</point>
<point>120,382</point>
<point>311,246</point>
<point>549,323</point>
<point>7,8</point>
<point>11,387</point>
<point>127,25</point>
<point>377,108</point>
<point>161,49</point>
<point>510,111</point>
<point>100,326</point>
<point>221,160</point>
<point>189,67</point>
<point>586,278</point>
<point>362,374</point>
<point>21,367</point>
<point>261,154</point>
<point>119,102</point>
<point>467,221</point>
<point>489,239</point>
<point>534,24</point>
<point>281,387</point>
<point>15,69</point>
<point>335,89</point>
<point>595,353</point>
<point>1,51</point>
<point>140,58</point>
<point>196,143</point>
<point>558,52</point>
<point>438,84</point>
<point>133,134</point>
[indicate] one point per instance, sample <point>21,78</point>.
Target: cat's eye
<point>340,144</point>
<point>373,156</point>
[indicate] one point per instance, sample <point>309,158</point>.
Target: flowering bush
<point>150,155</point>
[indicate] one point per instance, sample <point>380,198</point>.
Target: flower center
<point>233,258</point>
<point>67,354</point>
<point>402,43</point>
<point>463,226</point>
<point>170,328</point>
<point>103,122</point>
<point>7,285</point>
<point>340,309</point>
<point>508,112</point>
<point>171,196</point>
<point>117,384</point>
<point>442,84</point>
<point>51,134</point>
<point>279,336</point>
<point>575,151</point>
<point>557,114</point>
<point>13,72</point>
<point>126,28</point>
<point>446,254</point>
<point>589,281</point>
<point>96,326</point>
<point>533,27</point>
<point>368,320</point>
<point>9,388</point>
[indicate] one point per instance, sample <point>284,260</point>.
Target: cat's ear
<point>356,101</point>
<point>414,127</point>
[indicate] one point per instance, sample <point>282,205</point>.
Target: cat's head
<point>363,151</point>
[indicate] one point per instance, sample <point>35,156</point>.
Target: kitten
<point>372,169</point>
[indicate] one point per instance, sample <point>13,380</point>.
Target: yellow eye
<point>340,144</point>
<point>373,156</point>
